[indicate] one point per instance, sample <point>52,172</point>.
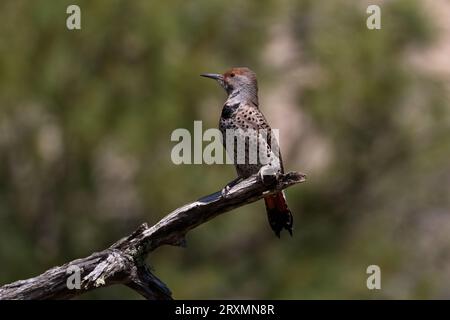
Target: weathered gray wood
<point>124,261</point>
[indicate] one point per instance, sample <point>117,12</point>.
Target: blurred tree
<point>86,118</point>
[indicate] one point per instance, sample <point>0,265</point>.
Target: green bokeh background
<point>86,118</point>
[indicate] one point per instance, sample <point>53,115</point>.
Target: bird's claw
<point>225,191</point>
<point>267,174</point>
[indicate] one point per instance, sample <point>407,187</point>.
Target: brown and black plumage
<point>241,113</point>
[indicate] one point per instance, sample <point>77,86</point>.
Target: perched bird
<point>241,113</point>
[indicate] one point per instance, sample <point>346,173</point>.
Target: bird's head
<point>236,79</point>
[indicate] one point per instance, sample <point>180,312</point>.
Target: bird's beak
<point>214,76</point>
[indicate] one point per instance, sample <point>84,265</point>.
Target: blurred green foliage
<point>85,124</point>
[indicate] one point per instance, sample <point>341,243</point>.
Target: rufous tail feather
<point>278,213</point>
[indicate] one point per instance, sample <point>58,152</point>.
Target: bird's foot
<point>230,185</point>
<point>268,174</point>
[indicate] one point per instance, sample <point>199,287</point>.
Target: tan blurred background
<point>86,118</point>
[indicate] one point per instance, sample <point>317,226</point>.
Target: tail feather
<point>278,213</point>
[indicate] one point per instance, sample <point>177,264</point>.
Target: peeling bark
<point>124,261</point>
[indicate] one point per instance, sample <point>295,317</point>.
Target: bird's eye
<point>232,75</point>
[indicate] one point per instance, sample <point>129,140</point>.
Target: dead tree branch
<point>124,261</point>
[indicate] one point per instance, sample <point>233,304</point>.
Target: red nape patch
<point>241,71</point>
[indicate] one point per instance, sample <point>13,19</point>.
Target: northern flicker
<point>241,113</point>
